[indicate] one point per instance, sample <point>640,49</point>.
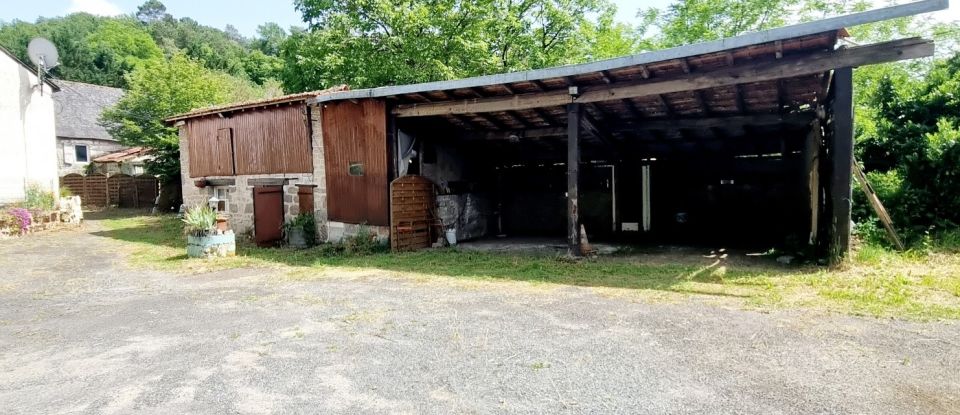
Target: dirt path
<point>82,333</point>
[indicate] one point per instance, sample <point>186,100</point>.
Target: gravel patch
<point>82,333</point>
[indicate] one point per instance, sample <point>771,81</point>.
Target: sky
<point>246,15</point>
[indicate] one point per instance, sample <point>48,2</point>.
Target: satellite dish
<point>43,53</point>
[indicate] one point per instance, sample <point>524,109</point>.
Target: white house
<point>28,140</point>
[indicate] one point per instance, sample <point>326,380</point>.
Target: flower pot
<point>297,238</point>
<point>222,224</point>
<point>212,246</point>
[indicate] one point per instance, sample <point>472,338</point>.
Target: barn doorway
<point>268,215</point>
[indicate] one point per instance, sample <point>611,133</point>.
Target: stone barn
<point>745,141</point>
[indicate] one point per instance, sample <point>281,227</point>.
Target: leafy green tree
<point>159,89</point>
<point>693,21</point>
<point>367,43</point>
<point>270,38</point>
<point>120,45</point>
<point>96,50</point>
<point>151,11</point>
<point>915,145</point>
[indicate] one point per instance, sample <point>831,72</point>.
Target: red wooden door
<point>267,215</point>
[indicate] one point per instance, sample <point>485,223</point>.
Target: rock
<point>785,259</point>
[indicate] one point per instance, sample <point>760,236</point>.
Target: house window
<point>220,200</point>
<point>355,169</point>
<point>81,154</point>
<point>138,170</point>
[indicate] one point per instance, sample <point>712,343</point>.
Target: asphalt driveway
<point>80,332</point>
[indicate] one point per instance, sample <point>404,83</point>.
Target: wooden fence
<point>118,190</point>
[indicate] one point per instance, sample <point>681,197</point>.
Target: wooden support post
<point>573,179</point>
<point>841,158</point>
<point>811,172</point>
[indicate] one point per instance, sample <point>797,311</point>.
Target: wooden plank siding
<point>355,133</point>
<point>263,141</point>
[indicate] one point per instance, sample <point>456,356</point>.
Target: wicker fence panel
<point>95,190</point>
<point>73,183</point>
<point>147,190</point>
<point>119,190</point>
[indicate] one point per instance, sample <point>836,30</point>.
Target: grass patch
<point>876,282</point>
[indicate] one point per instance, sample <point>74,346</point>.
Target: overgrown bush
<point>364,242</point>
<point>306,223</point>
<point>38,198</point>
<point>22,218</point>
<point>913,156</point>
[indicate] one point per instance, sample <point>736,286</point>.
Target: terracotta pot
<point>223,224</point>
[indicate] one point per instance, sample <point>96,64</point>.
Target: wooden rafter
<point>787,67</point>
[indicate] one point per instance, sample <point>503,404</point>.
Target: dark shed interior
<point>745,141</point>
<point>724,165</point>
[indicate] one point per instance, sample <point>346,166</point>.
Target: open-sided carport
<point>744,139</point>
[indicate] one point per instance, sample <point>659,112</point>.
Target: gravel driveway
<point>82,333</point>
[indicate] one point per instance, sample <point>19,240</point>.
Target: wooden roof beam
<point>796,119</point>
<point>543,115</point>
<point>592,127</point>
<point>792,66</point>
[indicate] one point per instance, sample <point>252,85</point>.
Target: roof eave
<point>804,29</point>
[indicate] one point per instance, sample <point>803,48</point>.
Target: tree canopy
<point>367,43</point>
<point>906,125</point>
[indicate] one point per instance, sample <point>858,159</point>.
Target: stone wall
<point>240,190</point>
<point>471,212</point>
<point>95,148</point>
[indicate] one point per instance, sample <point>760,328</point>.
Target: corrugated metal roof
<point>78,108</point>
<point>833,24</point>
<point>237,106</point>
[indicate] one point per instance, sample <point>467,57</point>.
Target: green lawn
<point>875,282</point>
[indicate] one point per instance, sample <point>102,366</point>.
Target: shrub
<point>306,223</point>
<point>38,198</point>
<point>364,242</point>
<point>23,218</point>
<point>200,220</point>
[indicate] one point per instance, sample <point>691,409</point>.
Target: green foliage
<point>199,220</point>
<point>38,198</point>
<point>163,88</point>
<point>373,43</point>
<point>101,50</point>
<point>364,242</point>
<point>86,44</point>
<point>692,21</point>
<point>306,223</point>
<point>913,152</point>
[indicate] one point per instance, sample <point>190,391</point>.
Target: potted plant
<point>301,232</point>
<point>204,240</point>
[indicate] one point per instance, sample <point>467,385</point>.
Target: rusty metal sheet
<point>355,154</point>
<point>260,141</point>
<point>268,215</point>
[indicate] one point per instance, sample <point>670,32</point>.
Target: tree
<point>367,43</point>
<point>118,46</point>
<point>151,11</point>
<point>159,89</point>
<point>270,38</point>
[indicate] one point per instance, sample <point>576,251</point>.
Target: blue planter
<point>211,246</point>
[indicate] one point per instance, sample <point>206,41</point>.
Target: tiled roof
<point>78,108</point>
<point>122,155</point>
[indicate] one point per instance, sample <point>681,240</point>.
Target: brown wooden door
<point>267,215</point>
